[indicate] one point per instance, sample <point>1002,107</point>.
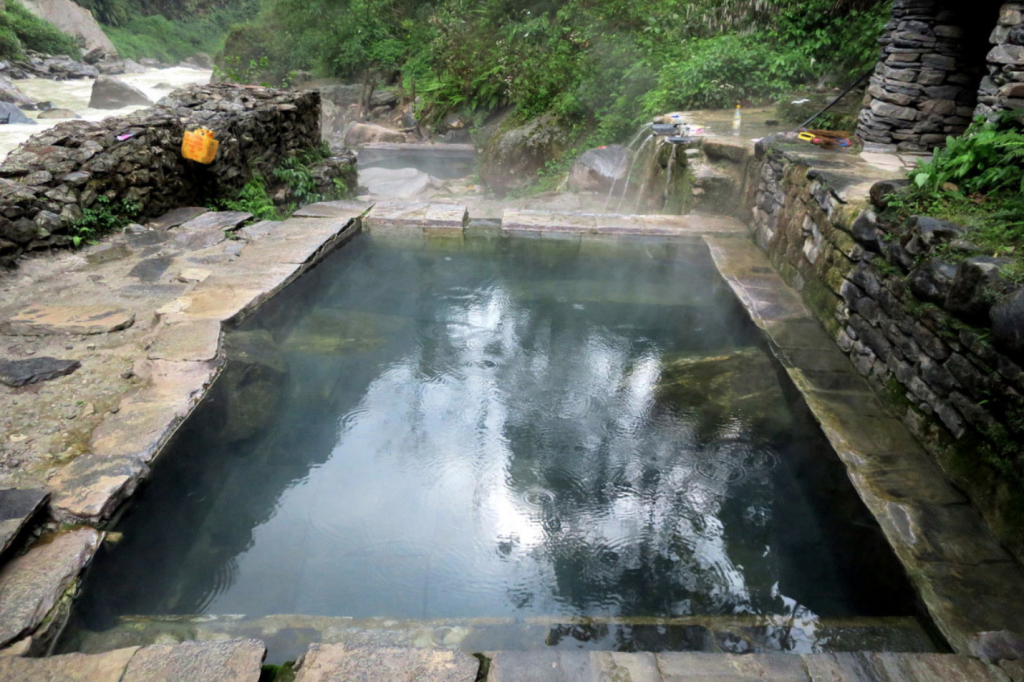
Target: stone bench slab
<point>17,509</point>
<point>45,320</point>
<point>338,662</point>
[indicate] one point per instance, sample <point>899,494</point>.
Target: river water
<point>74,95</point>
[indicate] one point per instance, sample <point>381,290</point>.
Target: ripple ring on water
<point>721,470</point>
<point>538,497</point>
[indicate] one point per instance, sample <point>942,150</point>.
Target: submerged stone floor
<point>142,316</point>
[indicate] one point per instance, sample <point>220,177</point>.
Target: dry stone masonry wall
<point>47,182</point>
<point>1003,88</point>
<point>943,342</point>
<point>925,86</point>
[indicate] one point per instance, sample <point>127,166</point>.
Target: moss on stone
<point>822,302</point>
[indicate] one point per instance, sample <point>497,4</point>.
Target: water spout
<point>632,167</point>
<point>668,175</point>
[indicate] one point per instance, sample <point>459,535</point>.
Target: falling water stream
<point>629,176</point>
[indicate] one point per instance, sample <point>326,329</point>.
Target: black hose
<point>835,101</point>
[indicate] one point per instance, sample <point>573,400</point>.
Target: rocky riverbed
<point>74,95</point>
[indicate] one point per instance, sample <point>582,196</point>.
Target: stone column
<point>1003,88</point>
<point>921,91</point>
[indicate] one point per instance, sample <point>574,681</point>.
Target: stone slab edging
<point>237,660</point>
<point>523,222</point>
<point>968,582</point>
<point>178,367</point>
<point>585,666</point>
<point>184,360</point>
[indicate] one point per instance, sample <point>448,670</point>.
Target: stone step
<point>287,636</point>
<point>230,661</point>
<point>588,666</point>
<point>527,221</point>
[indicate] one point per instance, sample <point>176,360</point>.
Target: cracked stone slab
<point>91,488</point>
<point>692,224</point>
<point>46,320</point>
<point>548,665</point>
<point>697,667</point>
<point>176,217</point>
<point>334,662</point>
<point>17,509</point>
<point>627,667</point>
<point>345,210</point>
<point>31,585</point>
<point>238,660</point>
<point>151,269</point>
<point>871,667</point>
<point>193,341</point>
<point>149,415</point>
<point>258,230</point>
<point>18,373</point>
<point>224,221</point>
<point>106,667</point>
<point>404,215</point>
<point>524,220</point>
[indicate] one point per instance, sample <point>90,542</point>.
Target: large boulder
<point>359,134</point>
<point>511,158</point>
<point>404,183</point>
<point>1008,325</point>
<point>598,169</point>
<point>199,60</point>
<point>73,20</point>
<point>12,114</point>
<point>10,93</point>
<point>114,93</point>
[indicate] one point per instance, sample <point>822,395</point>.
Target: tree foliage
<point>603,62</point>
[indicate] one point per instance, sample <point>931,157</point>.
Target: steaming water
<point>480,433</point>
<point>74,95</point>
<point>637,161</point>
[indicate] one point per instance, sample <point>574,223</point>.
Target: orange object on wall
<point>199,145</point>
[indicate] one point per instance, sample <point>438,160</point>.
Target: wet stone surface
<point>31,585</point>
<point>18,373</point>
<point>17,508</point>
<point>327,663</point>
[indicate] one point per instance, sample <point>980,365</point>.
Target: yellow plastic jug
<point>199,145</point>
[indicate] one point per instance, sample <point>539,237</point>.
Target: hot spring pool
<point>502,429</point>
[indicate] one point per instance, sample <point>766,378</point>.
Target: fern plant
<point>988,159</point>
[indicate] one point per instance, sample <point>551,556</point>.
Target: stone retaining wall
<point>925,85</point>
<point>1003,88</point>
<point>47,182</point>
<point>918,328</point>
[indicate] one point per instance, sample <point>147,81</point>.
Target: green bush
<point>34,33</point>
<point>103,218</point>
<point>10,46</point>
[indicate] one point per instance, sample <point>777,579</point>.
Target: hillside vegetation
<point>21,30</point>
<point>602,63</point>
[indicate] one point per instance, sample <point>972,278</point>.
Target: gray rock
<point>238,660</point>
<point>512,157</point>
<point>113,93</point>
<point>31,585</point>
<point>58,113</point>
<point>44,320</point>
<point>1001,645</point>
<point>597,169</point>
<point>867,231</point>
<point>177,217</point>
<point>107,253</point>
<point>1008,325</point>
<point>215,220</point>
<point>151,269</point>
<point>10,113</point>
<point>18,373</point>
<point>384,98</point>
<point>931,231</point>
<point>17,509</point>
<point>323,662</point>
<point>881,190</point>
<point>105,667</point>
<point>199,60</point>
<point>976,287</point>
<point>9,92</point>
